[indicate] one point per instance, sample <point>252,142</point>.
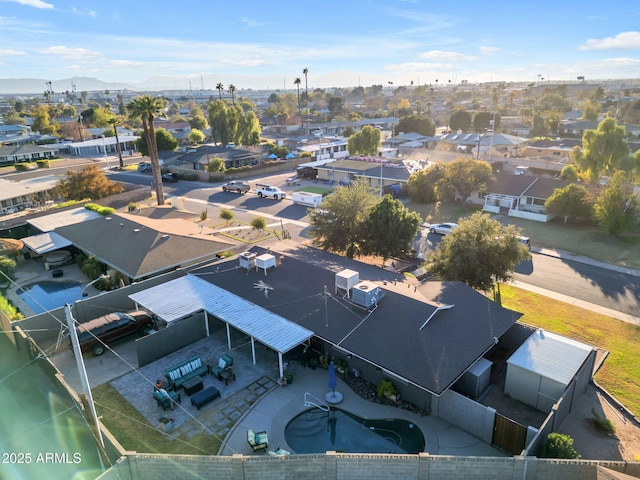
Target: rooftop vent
<point>247,260</point>
<point>346,280</point>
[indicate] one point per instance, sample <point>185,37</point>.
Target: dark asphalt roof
<point>138,250</point>
<point>390,336</point>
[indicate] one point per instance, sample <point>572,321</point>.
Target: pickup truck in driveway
<point>270,192</point>
<point>236,186</point>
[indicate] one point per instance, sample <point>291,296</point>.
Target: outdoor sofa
<point>180,373</point>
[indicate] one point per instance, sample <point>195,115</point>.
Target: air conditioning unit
<point>366,294</point>
<point>346,280</point>
<point>247,260</point>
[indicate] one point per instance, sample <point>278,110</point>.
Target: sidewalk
<point>625,317</point>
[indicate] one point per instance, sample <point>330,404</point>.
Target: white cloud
<point>34,3</point>
<point>624,40</point>
<point>439,55</point>
<point>417,66</point>
<point>7,52</point>
<point>489,50</point>
<point>71,53</point>
<point>88,13</point>
<point>250,22</point>
<point>246,62</point>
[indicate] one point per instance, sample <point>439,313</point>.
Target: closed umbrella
<point>332,377</point>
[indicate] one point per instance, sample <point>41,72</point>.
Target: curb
<point>582,259</point>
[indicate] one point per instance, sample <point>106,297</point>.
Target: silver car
<point>442,228</point>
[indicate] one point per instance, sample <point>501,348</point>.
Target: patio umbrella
<point>332,377</point>
<point>289,156</point>
<point>272,156</point>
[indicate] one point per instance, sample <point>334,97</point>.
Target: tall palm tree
<point>220,88</point>
<point>146,108</point>
<point>297,84</point>
<point>232,90</point>
<point>305,71</point>
<point>115,121</point>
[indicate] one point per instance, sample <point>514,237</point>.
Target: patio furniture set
<point>188,375</point>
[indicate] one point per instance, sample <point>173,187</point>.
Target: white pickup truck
<point>270,192</point>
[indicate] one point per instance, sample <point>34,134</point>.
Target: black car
<point>171,177</point>
<point>110,328</point>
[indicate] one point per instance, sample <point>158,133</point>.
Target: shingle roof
<point>138,250</point>
<point>389,337</point>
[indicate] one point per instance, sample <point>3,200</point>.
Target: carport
<point>184,296</point>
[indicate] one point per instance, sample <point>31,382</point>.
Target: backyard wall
<point>340,466</point>
<point>467,414</point>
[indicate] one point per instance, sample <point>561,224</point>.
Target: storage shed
<point>540,370</point>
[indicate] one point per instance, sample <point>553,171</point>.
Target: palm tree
<point>146,108</point>
<point>297,84</point>
<point>232,89</point>
<point>305,71</point>
<point>220,88</point>
<point>115,121</point>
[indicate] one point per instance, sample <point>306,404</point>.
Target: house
<point>521,196</point>
<point>16,196</point>
<point>16,153</point>
<point>377,172</point>
<point>325,148</point>
<point>143,245</point>
<point>102,146</point>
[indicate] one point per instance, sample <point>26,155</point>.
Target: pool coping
<point>280,405</point>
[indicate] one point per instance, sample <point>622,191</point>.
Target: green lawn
<point>312,189</point>
<point>620,372</point>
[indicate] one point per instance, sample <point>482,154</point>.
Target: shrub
<point>604,423</point>
<point>226,214</point>
<point>187,175</point>
<point>132,207</point>
<point>22,166</point>
<point>259,223</point>
<point>10,311</point>
<point>216,177</point>
<point>386,388</point>
<point>204,214</point>
<point>559,446</point>
<point>100,209</point>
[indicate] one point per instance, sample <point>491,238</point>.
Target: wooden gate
<point>509,435</point>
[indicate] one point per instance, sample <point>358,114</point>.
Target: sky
<point>348,43</point>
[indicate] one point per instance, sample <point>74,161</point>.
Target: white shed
<point>540,370</point>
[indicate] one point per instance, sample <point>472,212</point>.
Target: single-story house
<point>102,146</point>
<point>140,246</point>
<point>378,172</point>
<point>12,154</point>
<point>29,193</point>
<point>325,148</point>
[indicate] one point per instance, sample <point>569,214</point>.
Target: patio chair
<point>224,362</point>
<point>257,441</point>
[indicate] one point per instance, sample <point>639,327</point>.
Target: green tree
<point>220,88</point>
<point>485,121</point>
<point>338,225</point>
<point>571,201</point>
<point>226,215</point>
<point>418,124</point>
<point>539,127</point>
<point>41,121</point>
<point>259,223</point>
<point>7,266</point>
<point>559,446</point>
<point>195,136</point>
<point>423,185</point>
<point>603,149</point>
<point>480,253</point>
<point>365,142</point>
<point>164,142</point>
<point>250,129</point>
<point>115,122</point>
<point>199,122</point>
<point>216,165</point>
<point>390,228</point>
<point>232,91</point>
<point>569,173</point>
<point>617,208</point>
<point>297,82</point>
<point>218,122</point>
<point>460,120</point>
<point>88,183</point>
<point>466,175</point>
<point>145,108</point>
<point>590,110</point>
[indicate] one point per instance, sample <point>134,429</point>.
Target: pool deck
<point>281,404</point>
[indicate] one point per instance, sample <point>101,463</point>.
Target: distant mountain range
<point>39,85</point>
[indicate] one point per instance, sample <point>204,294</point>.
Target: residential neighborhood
<point>420,280</point>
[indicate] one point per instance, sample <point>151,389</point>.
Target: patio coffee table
<point>226,375</point>
<point>193,385</point>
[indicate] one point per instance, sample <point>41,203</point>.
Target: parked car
<point>442,228</point>
<point>144,167</point>
<point>170,177</point>
<point>271,192</point>
<point>111,328</point>
<point>236,186</point>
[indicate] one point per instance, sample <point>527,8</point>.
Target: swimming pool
<point>43,296</point>
<point>317,431</point>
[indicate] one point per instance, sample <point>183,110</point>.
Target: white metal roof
<point>186,295</point>
<point>10,189</point>
<point>47,223</point>
<point>551,356</point>
<point>45,242</point>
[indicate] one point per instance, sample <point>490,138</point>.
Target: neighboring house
<point>377,172</point>
<point>494,144</point>
<point>16,196</point>
<point>139,246</point>
<point>102,146</point>
<point>557,149</point>
<point>521,196</point>
<point>576,128</point>
<point>12,130</point>
<point>12,154</point>
<point>325,148</point>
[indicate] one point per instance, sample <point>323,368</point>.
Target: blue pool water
<point>43,296</point>
<point>315,431</point>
